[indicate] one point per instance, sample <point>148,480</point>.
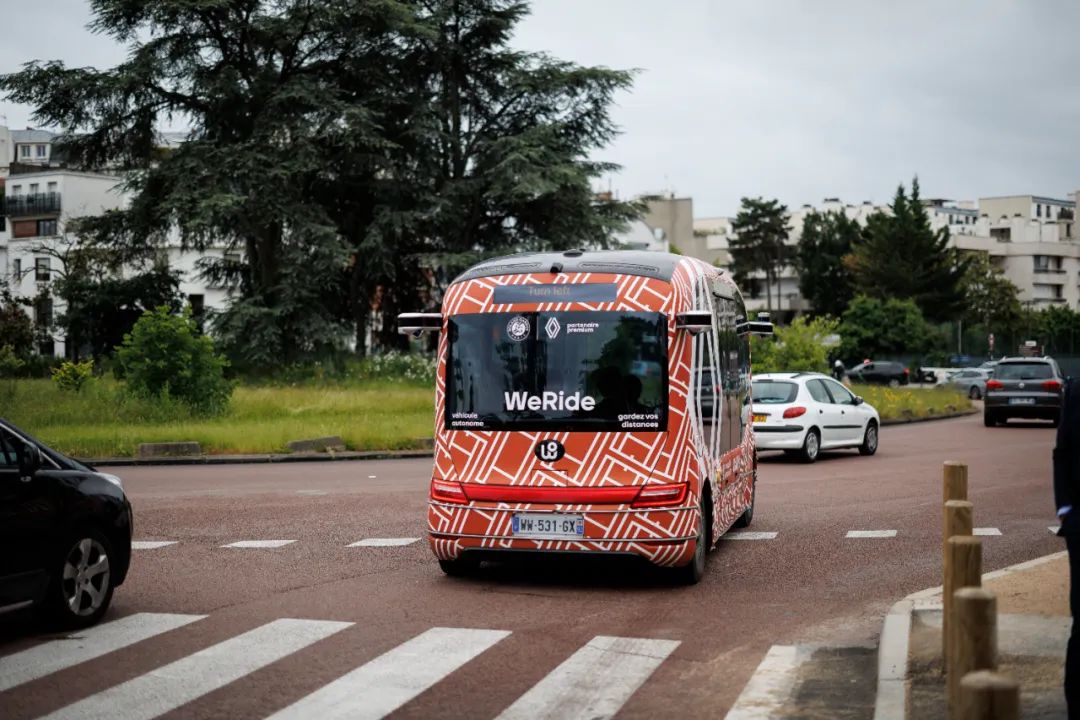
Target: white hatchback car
<point>806,413</point>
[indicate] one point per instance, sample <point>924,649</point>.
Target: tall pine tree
<point>900,256</point>
<point>760,244</point>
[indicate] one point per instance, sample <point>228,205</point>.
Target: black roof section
<point>657,265</point>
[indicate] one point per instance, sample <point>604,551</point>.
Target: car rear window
<point>774,392</point>
<point>1024,371</point>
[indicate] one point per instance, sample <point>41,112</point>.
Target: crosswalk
<point>594,682</point>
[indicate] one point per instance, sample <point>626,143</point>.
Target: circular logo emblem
<point>1021,386</point>
<point>550,450</point>
<point>518,328</point>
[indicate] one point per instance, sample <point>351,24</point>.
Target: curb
<point>257,459</point>
<point>892,685</point>
<point>907,421</point>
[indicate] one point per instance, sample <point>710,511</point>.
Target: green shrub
<point>71,376</point>
<point>10,365</point>
<point>165,357</point>
<point>799,347</point>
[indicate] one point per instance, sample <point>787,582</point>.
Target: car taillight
<point>448,491</point>
<point>907,371</point>
<point>994,385</point>
<point>658,495</point>
<point>1051,385</point>
<point>794,412</point>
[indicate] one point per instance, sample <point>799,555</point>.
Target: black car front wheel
<point>81,587</point>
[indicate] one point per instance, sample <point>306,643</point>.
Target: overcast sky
<point>793,100</point>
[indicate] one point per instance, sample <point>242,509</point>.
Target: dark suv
<point>65,530</point>
<point>1023,388</point>
<point>880,372</point>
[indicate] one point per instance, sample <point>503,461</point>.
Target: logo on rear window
<point>552,328</point>
<point>550,450</point>
<point>518,328</point>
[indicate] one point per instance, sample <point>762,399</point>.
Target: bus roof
<point>657,265</point>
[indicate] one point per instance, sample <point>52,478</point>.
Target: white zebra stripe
<point>167,688</point>
<point>381,686</point>
<point>594,682</point>
<point>86,645</point>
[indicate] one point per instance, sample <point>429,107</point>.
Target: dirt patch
<point>1041,590</point>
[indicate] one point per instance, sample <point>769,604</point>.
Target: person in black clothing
<point>1067,500</point>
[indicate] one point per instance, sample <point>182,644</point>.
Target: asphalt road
<point>811,583</point>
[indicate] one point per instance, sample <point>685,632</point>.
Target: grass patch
<point>103,421</point>
<point>913,403</point>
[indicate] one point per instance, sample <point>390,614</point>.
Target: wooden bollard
<point>974,639</point>
<point>957,521</point>
<point>986,695</point>
<point>955,486</point>
<point>963,568</point>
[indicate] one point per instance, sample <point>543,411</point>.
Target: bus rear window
<point>574,371</point>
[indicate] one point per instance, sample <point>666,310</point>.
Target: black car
<point>65,530</point>
<point>1023,387</point>
<point>880,372</point>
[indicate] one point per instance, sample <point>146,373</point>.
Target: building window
<point>51,186</point>
<point>24,151</point>
<point>47,228</point>
<point>42,270</point>
<point>43,311</point>
<point>41,151</point>
<point>1068,230</point>
<point>47,347</point>
<point>23,228</point>
<point>3,223</point>
<point>1038,210</point>
<point>16,189</point>
<point>16,269</point>
<point>198,305</point>
<point>34,188</point>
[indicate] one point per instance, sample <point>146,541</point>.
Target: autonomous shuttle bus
<point>590,402</point>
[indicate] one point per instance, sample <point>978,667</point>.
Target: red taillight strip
<point>551,495</point>
<point>639,496</point>
<point>661,495</point>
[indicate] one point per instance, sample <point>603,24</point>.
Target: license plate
<point>549,526</point>
<point>760,418</point>
<point>1021,401</point>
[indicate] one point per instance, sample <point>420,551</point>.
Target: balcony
<point>16,206</point>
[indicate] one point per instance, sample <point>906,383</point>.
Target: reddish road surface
<point>691,649</point>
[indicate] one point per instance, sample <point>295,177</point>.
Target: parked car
<point>1024,387</point>
<point>805,413</point>
<point>926,376</point>
<point>972,381</point>
<point>880,372</point>
<point>66,530</point>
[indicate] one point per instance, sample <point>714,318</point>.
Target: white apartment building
<point>37,209</point>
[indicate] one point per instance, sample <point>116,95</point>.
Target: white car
<point>806,413</point>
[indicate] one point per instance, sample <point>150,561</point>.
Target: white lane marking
<point>370,477</point>
<point>871,533</point>
<point>75,648</point>
<point>749,535</point>
<point>769,686</point>
<point>167,688</point>
<point>1054,529</point>
<point>311,492</point>
<point>381,686</point>
<point>258,544</point>
<point>383,542</point>
<point>151,544</point>
<point>986,531</point>
<point>594,682</point>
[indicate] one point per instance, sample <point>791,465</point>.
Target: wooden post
<point>974,633</point>
<point>956,485</point>
<point>986,695</point>
<point>963,568</point>
<point>957,521</point>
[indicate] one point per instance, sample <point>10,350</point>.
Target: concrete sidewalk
<point>1033,627</point>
